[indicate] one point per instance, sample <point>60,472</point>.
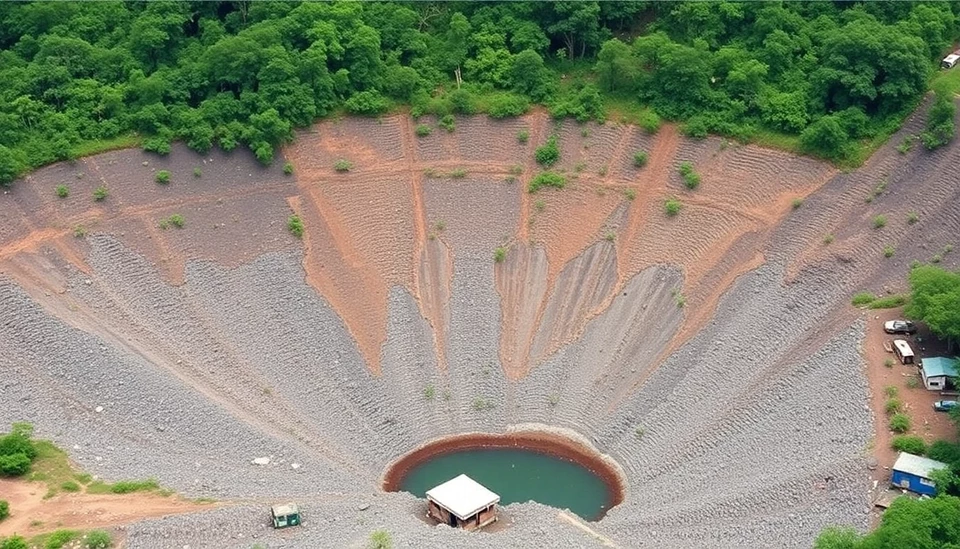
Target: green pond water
<point>517,476</point>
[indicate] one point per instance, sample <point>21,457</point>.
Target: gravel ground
<point>752,433</point>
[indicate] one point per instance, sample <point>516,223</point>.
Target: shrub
<point>650,122</point>
<point>900,423</point>
<point>913,382</point>
<point>69,486</point>
<point>79,231</point>
<point>295,225</point>
<point>343,165</point>
<point>549,153</point>
<point>499,254</point>
<point>888,363</point>
<point>610,236</point>
<point>100,193</point>
<point>60,538</point>
<point>176,220</point>
<point>287,168</point>
<point>912,218</point>
<point>672,206</point>
<point>888,302</point>
<point>98,539</point>
<point>630,194</point>
<point>911,444</point>
<point>796,203</point>
<point>546,179</point>
<point>890,390</point>
<point>428,392</point>
<point>888,251</point>
<point>197,172</point>
<point>879,221</point>
<point>691,179</point>
<point>63,191</point>
<point>4,509</point>
<point>369,102</point>
<point>640,159</point>
<point>504,105</point>
<point>14,465</point>
<point>423,130</point>
<point>162,177</point>
<point>458,173</point>
<point>523,135</point>
<point>14,542</point>
<point>828,238</point>
<point>448,122</point>
<point>893,406</point>
<point>863,298</point>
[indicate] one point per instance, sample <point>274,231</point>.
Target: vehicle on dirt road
<point>899,327</point>
<point>944,405</point>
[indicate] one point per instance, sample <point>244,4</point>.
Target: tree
<point>528,75</point>
<point>12,163</point>
<point>616,67</point>
<point>935,300</point>
<point>940,126</point>
<point>454,48</point>
<point>577,23</point>
<point>825,137</point>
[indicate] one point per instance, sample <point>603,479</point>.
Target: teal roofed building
<point>937,370</point>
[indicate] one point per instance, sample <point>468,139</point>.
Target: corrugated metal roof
<point>940,366</point>
<point>284,510</point>
<point>917,465</point>
<point>462,496</point>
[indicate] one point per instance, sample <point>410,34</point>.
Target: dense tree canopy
<point>908,524</point>
<point>935,300</point>
<point>239,72</point>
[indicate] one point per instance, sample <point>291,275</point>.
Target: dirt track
<point>230,339</point>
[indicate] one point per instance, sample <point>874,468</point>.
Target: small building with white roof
<point>462,502</point>
<point>912,472</point>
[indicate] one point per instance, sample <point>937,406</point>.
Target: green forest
<point>825,78</point>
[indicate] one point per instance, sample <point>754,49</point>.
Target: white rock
<point>261,461</point>
<point>295,465</point>
<point>98,409</point>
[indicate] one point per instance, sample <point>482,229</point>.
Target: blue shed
<point>912,473</point>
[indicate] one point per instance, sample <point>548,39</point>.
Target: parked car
<point>944,405</point>
<point>899,327</point>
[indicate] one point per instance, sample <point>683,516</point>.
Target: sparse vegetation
<point>879,221</point>
<point>900,423</point>
<point>891,390</point>
<point>197,172</point>
<point>630,194</point>
<point>640,159</point>
<point>423,130</point>
<point>63,191</point>
<point>162,177</point>
<point>4,509</point>
<point>79,231</point>
<point>678,298</point>
<point>549,153</point>
<point>70,486</point>
<point>428,392</point>
<point>888,302</point>
<point>796,203</point>
<point>893,405</point>
<point>481,404</point>
<point>342,165</point>
<point>909,443</point>
<point>610,236</point>
<point>553,400</point>
<point>672,206</point>
<point>888,251</point>
<point>14,542</point>
<point>691,179</point>
<point>288,168</point>
<point>295,226</point>
<point>499,254</point>
<point>60,538</point>
<point>863,298</point>
<point>906,145</point>
<point>639,432</point>
<point>448,122</point>
<point>380,539</point>
<point>458,173</point>
<point>546,179</point>
<point>579,167</point>
<point>888,363</point>
<point>100,193</point>
<point>912,382</point>
<point>828,238</point>
<point>523,135</point>
<point>540,205</point>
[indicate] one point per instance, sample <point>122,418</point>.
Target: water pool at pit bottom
<point>517,475</point>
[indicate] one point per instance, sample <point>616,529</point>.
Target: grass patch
<point>630,194</point>
<point>96,146</point>
<point>909,443</point>
<point>900,423</point>
<point>863,298</point>
<point>481,404</point>
<point>70,486</point>
<point>890,390</point>
<point>458,173</point>
<point>287,168</point>
<point>429,392</point>
<point>342,165</point>
<point>59,538</point>
<point>888,251</point>
<point>123,487</point>
<point>540,205</point>
<point>97,539</point>
<point>913,382</point>
<point>63,191</point>
<point>893,405</point>
<point>796,203</point>
<point>295,226</point>
<point>879,221</point>
<point>197,172</point>
<point>162,177</point>
<point>101,193</point>
<point>499,254</point>
<point>888,363</point>
<point>828,238</point>
<point>610,236</point>
<point>423,130</point>
<point>79,231</point>
<point>672,207</point>
<point>546,179</point>
<point>523,135</point>
<point>175,220</point>
<point>640,158</point>
<point>553,400</point>
<point>888,302</point>
<point>912,217</point>
<point>639,432</point>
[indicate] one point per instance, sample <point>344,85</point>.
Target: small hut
<point>462,502</point>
